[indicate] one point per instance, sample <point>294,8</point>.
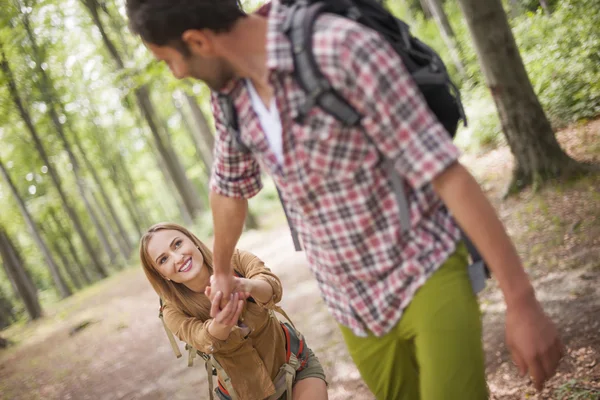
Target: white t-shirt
<point>269,120</point>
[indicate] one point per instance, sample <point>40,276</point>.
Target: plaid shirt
<point>332,180</point>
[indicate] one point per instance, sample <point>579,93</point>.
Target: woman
<point>248,343</point>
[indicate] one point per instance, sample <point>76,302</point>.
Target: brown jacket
<point>252,362</point>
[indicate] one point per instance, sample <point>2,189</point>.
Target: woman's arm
<point>210,336</point>
<point>262,284</point>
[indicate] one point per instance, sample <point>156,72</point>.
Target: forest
<point>98,142</point>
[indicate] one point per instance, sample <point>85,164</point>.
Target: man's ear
<point>199,42</point>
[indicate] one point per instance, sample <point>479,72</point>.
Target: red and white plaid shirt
<point>332,180</point>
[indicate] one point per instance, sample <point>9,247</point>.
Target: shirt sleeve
<point>234,173</point>
<point>193,331</point>
<point>253,267</point>
<point>373,78</point>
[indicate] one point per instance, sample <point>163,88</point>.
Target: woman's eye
<point>162,260</point>
<point>177,243</point>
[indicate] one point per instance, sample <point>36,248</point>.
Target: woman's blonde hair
<point>176,294</point>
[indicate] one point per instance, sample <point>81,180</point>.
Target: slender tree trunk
<point>66,265</point>
<point>118,169</point>
<point>120,236</point>
<point>19,277</point>
<point>123,242</point>
<point>515,9</point>
<point>205,137</point>
<point>174,168</point>
<point>538,156</point>
<point>22,271</point>
<point>251,221</point>
<point>192,131</point>
<point>67,238</point>
<point>62,287</point>
<point>53,174</point>
<point>110,231</point>
<point>441,20</point>
<point>50,100</point>
<point>425,9</point>
<point>183,211</point>
<point>545,7</point>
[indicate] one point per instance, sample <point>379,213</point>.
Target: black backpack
<point>424,64</point>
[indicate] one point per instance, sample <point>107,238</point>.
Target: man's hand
<point>229,215</point>
<point>533,341</point>
<point>531,337</point>
<point>224,284</point>
<point>241,286</point>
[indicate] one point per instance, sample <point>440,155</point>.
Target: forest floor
<point>121,352</point>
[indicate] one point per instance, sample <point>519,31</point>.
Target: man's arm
<point>235,177</point>
<point>229,215</point>
<point>530,335</point>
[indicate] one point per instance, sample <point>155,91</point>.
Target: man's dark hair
<point>162,22</point>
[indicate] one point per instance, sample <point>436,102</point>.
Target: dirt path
<point>124,354</point>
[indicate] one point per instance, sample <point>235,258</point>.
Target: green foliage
<point>483,130</point>
<point>426,30</point>
<point>574,390</point>
<point>562,56</point>
<point>561,53</point>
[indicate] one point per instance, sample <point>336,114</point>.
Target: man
<point>403,299</point>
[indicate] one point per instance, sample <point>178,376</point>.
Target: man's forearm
<point>477,217</point>
<point>229,215</point>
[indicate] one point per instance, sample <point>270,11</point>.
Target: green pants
<point>435,352</point>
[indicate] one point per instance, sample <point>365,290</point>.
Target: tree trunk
<point>193,132</point>
<point>67,238</point>
<point>58,250</point>
<point>205,137</point>
<point>62,287</point>
<point>251,221</point>
<point>49,98</point>
<point>538,156</point>
<point>173,167</point>
<point>110,231</point>
<point>441,20</point>
<point>183,211</point>
<point>515,9</point>
<point>175,170</point>
<point>425,9</point>
<point>127,193</point>
<point>123,241</point>
<point>545,7</point>
<point>53,174</point>
<point>19,277</point>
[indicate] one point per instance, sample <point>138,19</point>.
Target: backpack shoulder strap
<point>299,28</point>
<point>231,121</point>
<point>168,331</point>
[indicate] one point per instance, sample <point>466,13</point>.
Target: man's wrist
<point>519,296</point>
<point>222,269</point>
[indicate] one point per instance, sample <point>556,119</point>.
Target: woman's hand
<point>226,318</point>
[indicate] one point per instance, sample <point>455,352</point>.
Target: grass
<point>576,390</point>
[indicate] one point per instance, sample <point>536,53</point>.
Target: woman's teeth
<point>187,266</point>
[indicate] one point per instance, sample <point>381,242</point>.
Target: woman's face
<point>176,258</point>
